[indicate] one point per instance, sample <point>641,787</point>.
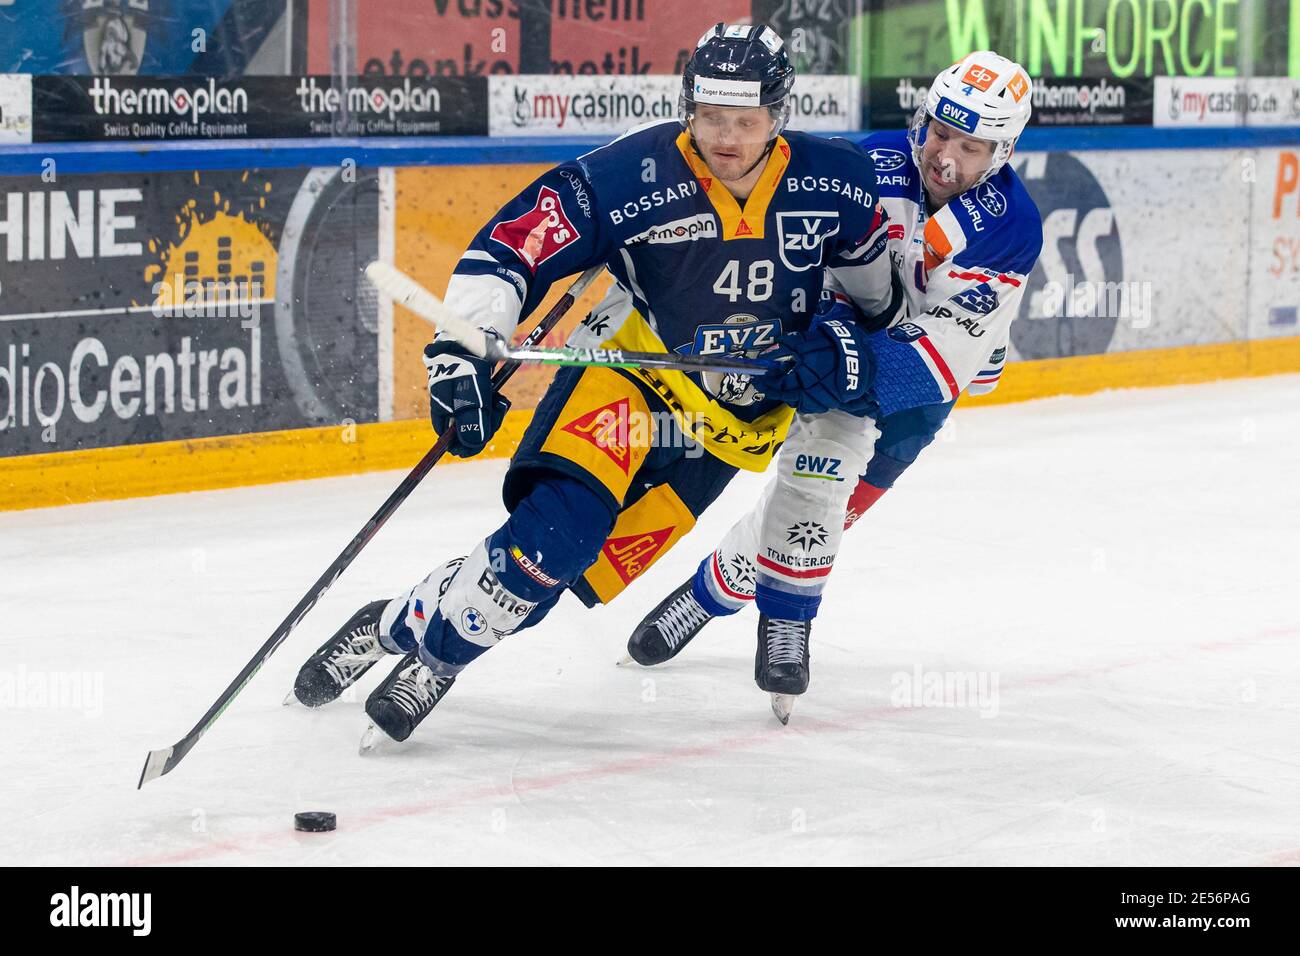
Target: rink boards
<point>127,367</point>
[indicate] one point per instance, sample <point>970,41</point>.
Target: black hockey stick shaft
<point>160,762</point>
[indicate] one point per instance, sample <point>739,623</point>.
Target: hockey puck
<point>314,821</point>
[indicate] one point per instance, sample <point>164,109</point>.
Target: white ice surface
<point>1125,565</point>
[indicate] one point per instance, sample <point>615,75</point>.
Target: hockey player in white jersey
<point>962,237</point>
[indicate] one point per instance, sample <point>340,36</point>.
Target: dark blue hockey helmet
<point>738,65</point>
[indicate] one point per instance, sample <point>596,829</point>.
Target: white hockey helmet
<point>984,95</point>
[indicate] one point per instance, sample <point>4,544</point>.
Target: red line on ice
<point>282,836</point>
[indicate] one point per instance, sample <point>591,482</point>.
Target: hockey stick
<point>405,291</point>
<point>163,761</point>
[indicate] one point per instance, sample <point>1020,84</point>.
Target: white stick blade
<point>154,766</point>
<point>405,291</point>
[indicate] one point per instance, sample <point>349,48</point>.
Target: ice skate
<point>781,662</point>
<point>667,629</point>
<point>340,661</point>
<point>405,698</point>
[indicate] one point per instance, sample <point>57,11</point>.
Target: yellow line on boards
<point>129,471</point>
<point>1184,365</point>
<point>203,464</point>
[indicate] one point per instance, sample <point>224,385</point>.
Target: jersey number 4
<point>760,281</point>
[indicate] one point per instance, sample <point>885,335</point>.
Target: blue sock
<point>700,588</point>
<point>786,605</point>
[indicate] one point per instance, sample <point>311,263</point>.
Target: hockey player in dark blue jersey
<point>719,231</point>
<point>961,238</point>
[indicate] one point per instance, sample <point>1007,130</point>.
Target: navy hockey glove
<point>460,395</point>
<point>826,367</point>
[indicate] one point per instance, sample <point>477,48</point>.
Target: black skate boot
<point>667,629</point>
<point>340,661</point>
<point>405,698</point>
<point>781,662</point>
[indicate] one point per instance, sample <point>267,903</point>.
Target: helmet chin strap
<point>762,157</point>
<point>767,151</point>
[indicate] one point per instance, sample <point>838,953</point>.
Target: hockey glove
<point>461,396</point>
<point>828,366</point>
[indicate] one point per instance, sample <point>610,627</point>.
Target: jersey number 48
<point>759,288</point>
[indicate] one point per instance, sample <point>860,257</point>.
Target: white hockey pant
<point>781,552</point>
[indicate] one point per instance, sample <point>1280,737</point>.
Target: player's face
<point>951,161</point>
<point>731,138</point>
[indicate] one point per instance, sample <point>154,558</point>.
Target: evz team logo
<point>113,32</point>
<point>539,233</point>
<point>801,235</point>
<point>739,334</point>
<point>887,160</point>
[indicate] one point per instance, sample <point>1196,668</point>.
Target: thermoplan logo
<point>196,102</point>
<point>704,226</point>
<point>1076,294</point>
<point>406,97</point>
<point>887,160</point>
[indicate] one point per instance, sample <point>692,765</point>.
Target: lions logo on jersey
<point>739,334</point>
<point>801,235</point>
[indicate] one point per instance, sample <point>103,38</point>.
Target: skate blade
<point>290,699</point>
<point>783,706</point>
<point>371,739</point>
<point>624,661</point>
